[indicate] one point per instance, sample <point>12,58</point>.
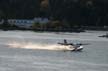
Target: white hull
<point>71,48</point>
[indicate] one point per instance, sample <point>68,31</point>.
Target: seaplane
<point>71,46</point>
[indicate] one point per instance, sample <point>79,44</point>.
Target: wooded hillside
<point>75,12</point>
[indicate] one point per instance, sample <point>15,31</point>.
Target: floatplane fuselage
<point>71,47</point>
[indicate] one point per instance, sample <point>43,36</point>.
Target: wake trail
<point>30,45</point>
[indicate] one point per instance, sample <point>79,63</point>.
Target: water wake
<point>31,45</point>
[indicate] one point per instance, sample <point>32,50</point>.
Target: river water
<point>31,51</point>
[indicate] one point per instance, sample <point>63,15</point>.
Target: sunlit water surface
<point>31,51</point>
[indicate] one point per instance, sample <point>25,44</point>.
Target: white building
<point>21,22</point>
<point>41,20</point>
<point>25,23</point>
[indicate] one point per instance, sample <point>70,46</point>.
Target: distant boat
<point>106,35</point>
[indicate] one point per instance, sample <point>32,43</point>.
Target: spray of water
<point>30,45</point>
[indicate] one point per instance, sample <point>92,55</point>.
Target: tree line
<point>69,12</point>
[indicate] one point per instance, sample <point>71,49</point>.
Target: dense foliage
<point>72,12</point>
